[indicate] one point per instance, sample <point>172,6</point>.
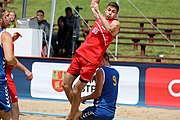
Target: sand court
<point>54,110</point>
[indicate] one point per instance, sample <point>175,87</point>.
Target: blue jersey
<point>106,103</point>
<point>2,62</point>
<point>5,102</point>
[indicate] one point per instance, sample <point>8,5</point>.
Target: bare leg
<point>67,85</point>
<point>76,93</point>
<point>15,111</point>
<point>5,115</point>
<point>77,115</point>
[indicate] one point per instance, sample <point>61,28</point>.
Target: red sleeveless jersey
<point>96,43</point>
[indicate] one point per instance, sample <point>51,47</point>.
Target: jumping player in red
<point>89,55</point>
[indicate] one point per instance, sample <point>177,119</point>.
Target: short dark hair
<point>40,11</point>
<point>106,56</point>
<point>114,4</point>
<point>68,9</point>
<point>61,18</point>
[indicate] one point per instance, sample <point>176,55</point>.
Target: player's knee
<point>65,86</point>
<point>76,91</point>
<point>15,104</point>
<point>6,115</point>
<point>9,115</point>
<point>67,82</point>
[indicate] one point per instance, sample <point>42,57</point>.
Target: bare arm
<point>99,78</point>
<point>92,8</point>
<point>7,46</point>
<point>25,70</point>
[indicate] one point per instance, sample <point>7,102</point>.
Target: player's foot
<point>68,118</point>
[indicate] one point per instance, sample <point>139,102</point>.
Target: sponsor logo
<point>57,80</point>
<point>89,88</point>
<point>172,90</point>
<point>162,87</point>
<point>95,30</point>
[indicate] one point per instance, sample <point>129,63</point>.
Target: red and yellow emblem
<point>57,79</point>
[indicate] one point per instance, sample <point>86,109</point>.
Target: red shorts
<point>82,67</point>
<point>12,89</point>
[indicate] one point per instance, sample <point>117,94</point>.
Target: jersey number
<point>114,79</point>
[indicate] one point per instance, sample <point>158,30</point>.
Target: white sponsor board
<point>128,85</point>
<point>41,85</point>
<point>30,44</point>
<point>47,81</point>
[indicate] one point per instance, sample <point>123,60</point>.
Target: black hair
<point>61,18</point>
<point>68,9</point>
<point>114,4</point>
<point>40,11</point>
<point>106,56</point>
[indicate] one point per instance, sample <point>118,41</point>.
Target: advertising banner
<point>162,87</point>
<point>48,77</point>
<point>140,84</point>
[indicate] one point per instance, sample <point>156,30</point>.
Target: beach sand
<point>123,112</point>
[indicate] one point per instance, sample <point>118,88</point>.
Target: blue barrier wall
<point>143,84</point>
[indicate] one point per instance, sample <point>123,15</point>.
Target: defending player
<point>105,94</point>
<point>89,55</point>
<point>6,57</point>
<point>11,84</point>
<point>10,81</point>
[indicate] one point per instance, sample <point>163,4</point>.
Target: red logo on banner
<point>57,79</point>
<point>162,87</point>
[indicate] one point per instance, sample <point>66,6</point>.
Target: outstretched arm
<point>25,70</point>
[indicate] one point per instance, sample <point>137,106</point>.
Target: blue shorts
<point>89,114</point>
<point>5,102</point>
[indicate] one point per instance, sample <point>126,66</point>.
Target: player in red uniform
<point>89,55</point>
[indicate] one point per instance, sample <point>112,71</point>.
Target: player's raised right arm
<point>92,8</point>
